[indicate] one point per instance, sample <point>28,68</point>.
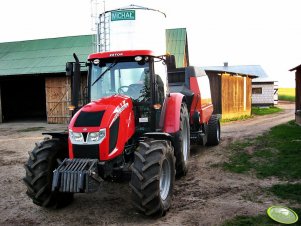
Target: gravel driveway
<point>206,196</point>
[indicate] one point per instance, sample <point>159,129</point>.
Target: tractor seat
<point>135,91</point>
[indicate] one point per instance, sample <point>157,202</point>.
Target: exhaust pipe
<point>73,70</point>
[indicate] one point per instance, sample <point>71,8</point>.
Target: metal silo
<point>131,28</point>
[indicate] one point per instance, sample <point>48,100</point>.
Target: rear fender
<point>171,113</point>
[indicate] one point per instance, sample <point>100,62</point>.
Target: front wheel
<point>153,175</point>
<point>39,173</point>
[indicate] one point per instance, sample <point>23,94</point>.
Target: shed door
<point>58,98</point>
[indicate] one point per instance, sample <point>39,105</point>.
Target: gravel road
<point>206,196</point>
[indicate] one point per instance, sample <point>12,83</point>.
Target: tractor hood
<point>108,123</point>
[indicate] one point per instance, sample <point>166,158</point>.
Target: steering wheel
<point>122,91</point>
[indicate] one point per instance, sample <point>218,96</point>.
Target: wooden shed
<point>33,82</point>
<point>298,93</point>
<point>231,93</point>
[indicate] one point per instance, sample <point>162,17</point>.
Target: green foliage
<point>260,220</point>
<point>240,118</point>
<point>265,111</point>
<point>277,153</point>
<point>287,191</point>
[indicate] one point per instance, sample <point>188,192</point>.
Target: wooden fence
<point>236,96</point>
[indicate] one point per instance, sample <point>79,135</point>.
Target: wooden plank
<point>298,97</point>
<point>0,107</point>
<point>298,89</point>
<point>234,103</point>
<point>58,98</point>
<point>216,90</point>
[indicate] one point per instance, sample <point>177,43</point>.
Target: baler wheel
<point>153,175</point>
<point>214,131</point>
<point>182,143</point>
<point>42,161</point>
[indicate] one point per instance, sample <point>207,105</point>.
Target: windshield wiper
<point>105,71</point>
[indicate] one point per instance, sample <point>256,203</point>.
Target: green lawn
<point>286,94</point>
<point>276,153</point>
<point>260,220</point>
<point>265,110</point>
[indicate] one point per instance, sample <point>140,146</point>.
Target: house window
<point>257,90</point>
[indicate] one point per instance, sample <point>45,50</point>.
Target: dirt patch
<point>206,196</point>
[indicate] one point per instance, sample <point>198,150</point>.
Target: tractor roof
<point>126,53</point>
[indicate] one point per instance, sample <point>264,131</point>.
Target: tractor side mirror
<point>69,68</point>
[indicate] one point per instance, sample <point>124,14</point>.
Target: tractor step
<point>198,137</point>
<point>76,175</point>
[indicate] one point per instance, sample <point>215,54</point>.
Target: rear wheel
<point>42,161</point>
<point>214,131</point>
<point>182,143</point>
<point>153,175</point>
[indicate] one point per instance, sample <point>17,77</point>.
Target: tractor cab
<point>137,74</point>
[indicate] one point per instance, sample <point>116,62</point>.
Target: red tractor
<point>142,116</point>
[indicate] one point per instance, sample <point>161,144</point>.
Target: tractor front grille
<point>90,151</point>
<point>114,134</point>
<point>89,119</point>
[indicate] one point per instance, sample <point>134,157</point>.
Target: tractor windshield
<point>130,78</point>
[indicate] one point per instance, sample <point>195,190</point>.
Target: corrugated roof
<point>175,44</point>
<point>43,55</point>
<point>253,70</point>
<point>50,55</point>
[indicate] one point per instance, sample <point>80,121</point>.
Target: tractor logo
<point>120,108</point>
<point>116,54</point>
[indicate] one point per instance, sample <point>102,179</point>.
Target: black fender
<point>160,136</point>
<point>60,135</point>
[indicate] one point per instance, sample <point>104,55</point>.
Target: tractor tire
<point>182,143</point>
<point>42,161</point>
<point>153,176</point>
<point>214,131</point>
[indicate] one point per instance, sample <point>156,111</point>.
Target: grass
<point>287,191</point>
<point>260,220</point>
<point>287,94</point>
<point>265,110</point>
<point>277,153</point>
<point>255,111</point>
<point>240,118</point>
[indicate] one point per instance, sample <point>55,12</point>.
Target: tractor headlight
<point>92,137</point>
<point>96,137</point>
<point>76,138</point>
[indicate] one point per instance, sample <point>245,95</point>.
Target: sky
<point>240,32</point>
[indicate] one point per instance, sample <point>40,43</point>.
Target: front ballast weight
<point>76,176</point>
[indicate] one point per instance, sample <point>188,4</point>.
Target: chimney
<point>226,64</point>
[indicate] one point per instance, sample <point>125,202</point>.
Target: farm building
<point>231,92</point>
<point>33,82</point>
<point>298,93</point>
<point>264,89</point>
